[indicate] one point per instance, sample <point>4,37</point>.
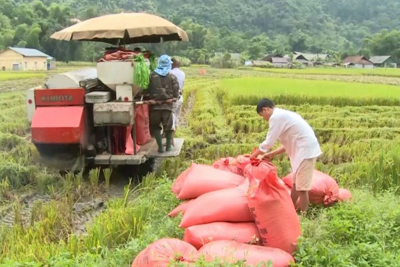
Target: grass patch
<point>354,234</point>
<point>8,76</point>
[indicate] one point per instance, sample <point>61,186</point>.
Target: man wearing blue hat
<point>163,91</point>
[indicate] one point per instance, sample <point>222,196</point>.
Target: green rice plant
<point>52,191</point>
<point>17,209</point>
<point>337,71</point>
<point>348,135</point>
<point>351,233</point>
<point>55,221</point>
<point>12,107</point>
<point>120,223</point>
<point>107,175</point>
<point>9,141</point>
<point>94,175</point>
<point>384,171</point>
<point>5,188</point>
<point>44,180</point>
<point>317,111</point>
<point>68,183</point>
<point>8,76</point>
<point>207,117</point>
<point>17,174</point>
<point>19,129</point>
<point>299,92</point>
<point>127,191</point>
<point>78,184</point>
<point>25,154</point>
<point>36,212</point>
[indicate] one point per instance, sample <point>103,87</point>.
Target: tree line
<point>252,28</point>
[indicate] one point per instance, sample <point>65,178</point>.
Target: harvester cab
<point>94,116</point>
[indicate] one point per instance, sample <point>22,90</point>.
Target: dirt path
<point>186,110</point>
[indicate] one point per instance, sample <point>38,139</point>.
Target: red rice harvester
<point>90,117</point>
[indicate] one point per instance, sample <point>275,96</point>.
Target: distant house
<point>260,63</point>
<point>15,58</point>
<point>279,62</point>
<point>302,59</point>
<point>269,57</point>
<point>276,60</point>
<point>358,62</point>
<point>332,64</point>
<point>312,57</point>
<point>383,61</point>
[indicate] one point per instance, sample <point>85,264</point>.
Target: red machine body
<point>60,97</point>
<point>59,116</point>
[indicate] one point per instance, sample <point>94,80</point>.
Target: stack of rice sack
<point>238,209</point>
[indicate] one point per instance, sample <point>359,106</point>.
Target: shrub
<point>185,62</point>
<point>224,61</point>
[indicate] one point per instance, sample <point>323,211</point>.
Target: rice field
<point>389,72</point>
<point>299,92</point>
<point>7,76</point>
<point>49,220</point>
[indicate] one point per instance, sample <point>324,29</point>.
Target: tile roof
<point>357,60</point>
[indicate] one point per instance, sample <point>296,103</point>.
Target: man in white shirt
<point>298,141</point>
<point>177,106</point>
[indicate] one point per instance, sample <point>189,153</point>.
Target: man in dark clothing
<point>163,91</point>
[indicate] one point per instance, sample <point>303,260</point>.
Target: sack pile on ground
<point>239,209</point>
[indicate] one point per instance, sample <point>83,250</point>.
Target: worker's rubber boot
<point>158,137</point>
<point>168,135</point>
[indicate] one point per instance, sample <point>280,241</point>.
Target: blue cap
<point>164,65</point>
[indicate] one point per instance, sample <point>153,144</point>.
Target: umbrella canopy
<point>126,28</point>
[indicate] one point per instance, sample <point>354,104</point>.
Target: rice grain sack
<point>199,235</point>
<point>201,179</point>
<point>161,252</point>
<point>231,252</point>
<point>227,205</point>
<point>324,189</point>
<point>181,208</point>
<point>226,164</point>
<point>272,207</point>
<point>241,162</point>
<point>344,194</point>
